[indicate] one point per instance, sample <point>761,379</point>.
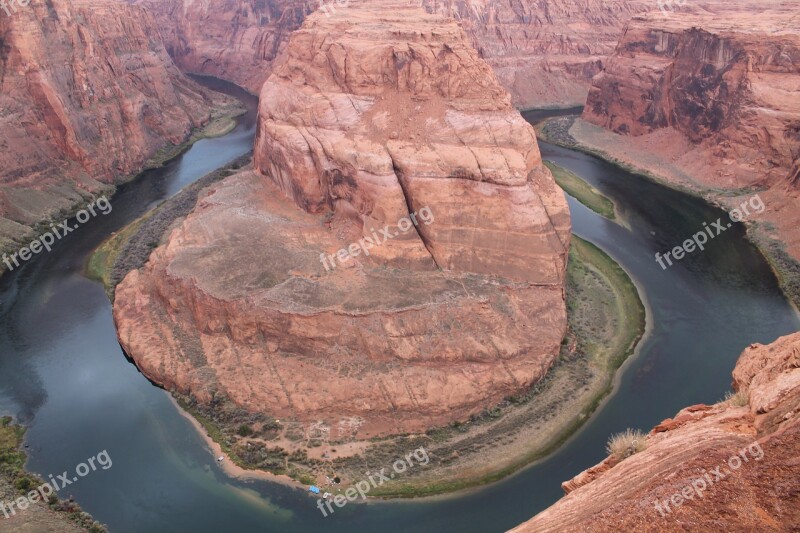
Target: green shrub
<point>24,484</point>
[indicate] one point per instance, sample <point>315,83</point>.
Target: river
<point>63,374</point>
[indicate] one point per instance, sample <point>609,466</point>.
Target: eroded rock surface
<point>544,52</point>
<point>730,86</point>
<point>236,40</point>
<point>87,94</point>
<point>755,448</point>
<point>374,114</point>
<point>718,96</point>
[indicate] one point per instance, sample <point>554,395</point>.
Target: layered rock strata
<point>375,114</point>
<point>718,97</point>
<point>722,467</point>
<point>544,52</point>
<point>730,86</point>
<point>87,94</point>
<point>236,40</point>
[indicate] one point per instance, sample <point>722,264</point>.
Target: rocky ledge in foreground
<point>732,466</point>
<point>376,113</point>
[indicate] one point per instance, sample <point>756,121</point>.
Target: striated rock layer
<point>730,86</point>
<point>544,52</point>
<point>87,94</point>
<point>236,40</point>
<point>718,96</point>
<point>754,448</point>
<point>374,114</point>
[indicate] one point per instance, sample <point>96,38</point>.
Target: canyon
<point>394,116</point>
<point>236,40</point>
<point>88,94</point>
<point>372,113</point>
<point>717,99</point>
<point>543,52</point>
<point>743,449</point>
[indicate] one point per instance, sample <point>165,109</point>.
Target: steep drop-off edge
<point>729,466</point>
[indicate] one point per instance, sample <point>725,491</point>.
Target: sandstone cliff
<point>374,114</point>
<point>717,97</point>
<point>87,95</point>
<point>236,40</point>
<point>544,52</point>
<point>745,455</point>
<point>730,86</point>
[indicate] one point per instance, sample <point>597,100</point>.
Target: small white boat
<point>220,458</point>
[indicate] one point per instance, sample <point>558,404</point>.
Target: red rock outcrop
<point>731,86</point>
<point>87,94</point>
<point>236,40</point>
<point>544,52</point>
<point>374,114</point>
<point>718,96</point>
<point>745,456</point>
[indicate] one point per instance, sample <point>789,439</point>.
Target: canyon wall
<point>544,52</point>
<point>732,466</point>
<point>715,95</point>
<point>730,86</point>
<point>236,40</point>
<point>294,289</point>
<point>87,94</point>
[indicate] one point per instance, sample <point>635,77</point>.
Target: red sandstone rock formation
<point>236,40</point>
<point>761,493</point>
<point>718,95</point>
<point>87,95</point>
<point>544,52</point>
<point>729,85</point>
<point>375,113</point>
